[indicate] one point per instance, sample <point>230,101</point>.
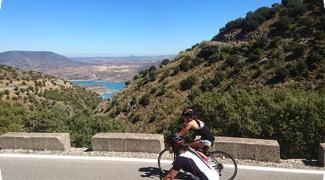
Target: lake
<point>107,89</point>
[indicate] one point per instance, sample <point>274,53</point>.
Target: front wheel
<point>165,163</point>
<point>225,164</point>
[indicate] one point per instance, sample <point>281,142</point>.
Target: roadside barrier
<point>248,148</point>
<point>128,142</point>
<point>35,141</point>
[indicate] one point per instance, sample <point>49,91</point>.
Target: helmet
<point>188,112</point>
<point>175,139</point>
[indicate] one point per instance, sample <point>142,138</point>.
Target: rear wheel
<point>225,164</point>
<point>165,163</point>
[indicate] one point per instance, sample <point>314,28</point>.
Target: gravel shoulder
<point>289,163</point>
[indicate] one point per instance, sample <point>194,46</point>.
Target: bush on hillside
<point>176,70</point>
<point>188,82</point>
<point>165,61</point>
<point>254,19</point>
<point>207,51</point>
<point>283,24</point>
<point>206,84</point>
<point>232,60</point>
<point>184,65</point>
<point>145,100</point>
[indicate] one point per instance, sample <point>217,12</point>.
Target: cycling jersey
<point>204,131</point>
<point>190,161</point>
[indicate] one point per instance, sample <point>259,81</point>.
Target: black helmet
<point>174,139</point>
<point>188,112</point>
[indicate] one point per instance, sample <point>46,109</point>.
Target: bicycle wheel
<point>165,163</point>
<point>224,164</point>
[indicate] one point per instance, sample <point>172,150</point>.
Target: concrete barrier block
<point>225,147</point>
<point>128,142</point>
<point>321,157</point>
<point>248,148</point>
<point>35,141</point>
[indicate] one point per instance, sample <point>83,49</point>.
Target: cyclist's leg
<point>200,145</point>
<point>206,145</point>
<point>196,144</point>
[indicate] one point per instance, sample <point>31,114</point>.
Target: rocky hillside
<point>261,76</point>
<point>35,102</point>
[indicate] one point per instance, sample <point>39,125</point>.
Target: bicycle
<point>221,161</point>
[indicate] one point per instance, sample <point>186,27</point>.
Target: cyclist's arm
<point>171,174</point>
<point>185,129</point>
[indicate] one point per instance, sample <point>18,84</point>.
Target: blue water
<point>110,86</point>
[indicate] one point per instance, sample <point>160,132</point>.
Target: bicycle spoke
<point>224,164</point>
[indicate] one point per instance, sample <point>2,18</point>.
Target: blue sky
<point>115,27</point>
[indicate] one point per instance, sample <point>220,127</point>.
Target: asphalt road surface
<point>44,167</point>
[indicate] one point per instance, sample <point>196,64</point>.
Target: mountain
<point>35,102</point>
<point>86,68</point>
<point>262,76</point>
<point>123,60</point>
<point>35,60</point>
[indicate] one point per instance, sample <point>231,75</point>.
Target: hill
<point>262,76</point>
<point>85,68</point>
<point>35,60</point>
<point>35,102</point>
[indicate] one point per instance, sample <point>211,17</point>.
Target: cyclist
<point>188,160</point>
<point>200,129</point>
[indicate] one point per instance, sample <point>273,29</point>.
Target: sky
<point>115,27</point>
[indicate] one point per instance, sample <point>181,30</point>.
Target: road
<point>44,167</point>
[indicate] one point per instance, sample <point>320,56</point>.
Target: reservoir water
<point>108,89</point>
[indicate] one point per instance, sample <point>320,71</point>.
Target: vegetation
<point>47,104</point>
<point>262,76</point>
<point>294,117</point>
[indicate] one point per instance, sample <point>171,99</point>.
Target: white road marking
<point>101,158</point>
<point>304,171</point>
<point>93,158</point>
<point>0,175</point>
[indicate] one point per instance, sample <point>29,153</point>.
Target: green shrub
<point>294,117</point>
<point>152,76</point>
<point>218,78</point>
<point>165,62</point>
<point>232,60</point>
<point>282,73</point>
<point>184,66</point>
<point>188,82</point>
<point>145,100</point>
<point>176,70</point>
<point>207,51</point>
<point>206,84</point>
<point>283,24</point>
<point>136,118</point>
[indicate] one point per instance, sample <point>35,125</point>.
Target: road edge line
<point>275,169</point>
